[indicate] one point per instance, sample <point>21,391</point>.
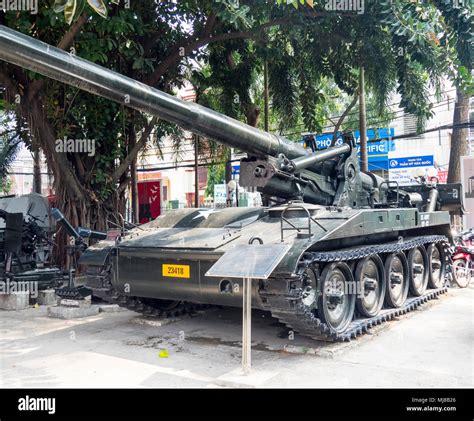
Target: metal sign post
<point>261,261</point>
<point>247,326</point>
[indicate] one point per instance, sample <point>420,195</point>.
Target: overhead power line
<point>405,136</point>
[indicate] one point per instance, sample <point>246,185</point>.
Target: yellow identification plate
<point>176,271</point>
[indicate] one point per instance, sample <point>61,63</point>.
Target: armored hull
<point>164,264</point>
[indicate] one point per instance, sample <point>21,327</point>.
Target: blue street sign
<point>411,162</point>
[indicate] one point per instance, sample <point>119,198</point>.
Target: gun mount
<point>78,245</point>
<point>351,240</point>
<point>25,251</point>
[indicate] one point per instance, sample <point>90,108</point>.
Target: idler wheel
<point>437,265</point>
<point>309,290</point>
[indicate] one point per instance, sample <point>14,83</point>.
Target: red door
<point>149,200</point>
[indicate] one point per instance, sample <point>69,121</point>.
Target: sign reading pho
<point>377,150</point>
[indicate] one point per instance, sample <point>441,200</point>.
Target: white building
<point>435,143</point>
<point>21,174</point>
<point>175,171</point>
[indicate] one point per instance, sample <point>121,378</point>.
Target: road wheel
<point>418,270</point>
<point>336,298</point>
<point>396,276</point>
<point>369,277</point>
<point>436,265</point>
<point>462,273</point>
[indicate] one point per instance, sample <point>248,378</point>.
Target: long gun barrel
<point>57,64</point>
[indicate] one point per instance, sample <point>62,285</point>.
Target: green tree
<point>10,142</point>
<point>155,42</point>
<point>150,42</point>
<point>459,36</point>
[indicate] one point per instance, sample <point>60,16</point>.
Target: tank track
<point>283,297</point>
<point>150,309</point>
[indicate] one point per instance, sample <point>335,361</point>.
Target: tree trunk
<point>364,160</point>
<point>73,194</point>
<point>36,170</point>
<point>459,145</point>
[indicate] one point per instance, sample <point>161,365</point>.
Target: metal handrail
<point>293,227</point>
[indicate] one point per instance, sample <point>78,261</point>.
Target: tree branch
<point>210,24</point>
<point>65,42</point>
<point>8,83</point>
<point>135,150</point>
<point>123,185</point>
<point>43,133</point>
<point>175,57</point>
<point>341,119</point>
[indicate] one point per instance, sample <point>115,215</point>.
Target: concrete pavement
<point>430,347</point>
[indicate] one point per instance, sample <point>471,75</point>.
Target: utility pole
<point>364,159</point>
<point>196,171</point>
<point>265,96</point>
<point>133,175</point>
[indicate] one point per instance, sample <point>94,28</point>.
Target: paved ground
<point>430,347</point>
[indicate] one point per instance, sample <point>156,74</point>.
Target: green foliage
<point>215,175</point>
<point>313,57</point>
<point>403,37</point>
<point>72,9</point>
<point>164,130</point>
<point>6,185</point>
<point>296,3</point>
<point>115,42</point>
<point>459,36</point>
<point>9,148</point>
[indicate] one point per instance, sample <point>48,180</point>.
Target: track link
<point>283,296</point>
<point>154,309</point>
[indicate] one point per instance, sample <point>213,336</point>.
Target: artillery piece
<point>358,250</point>
<point>24,252</point>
